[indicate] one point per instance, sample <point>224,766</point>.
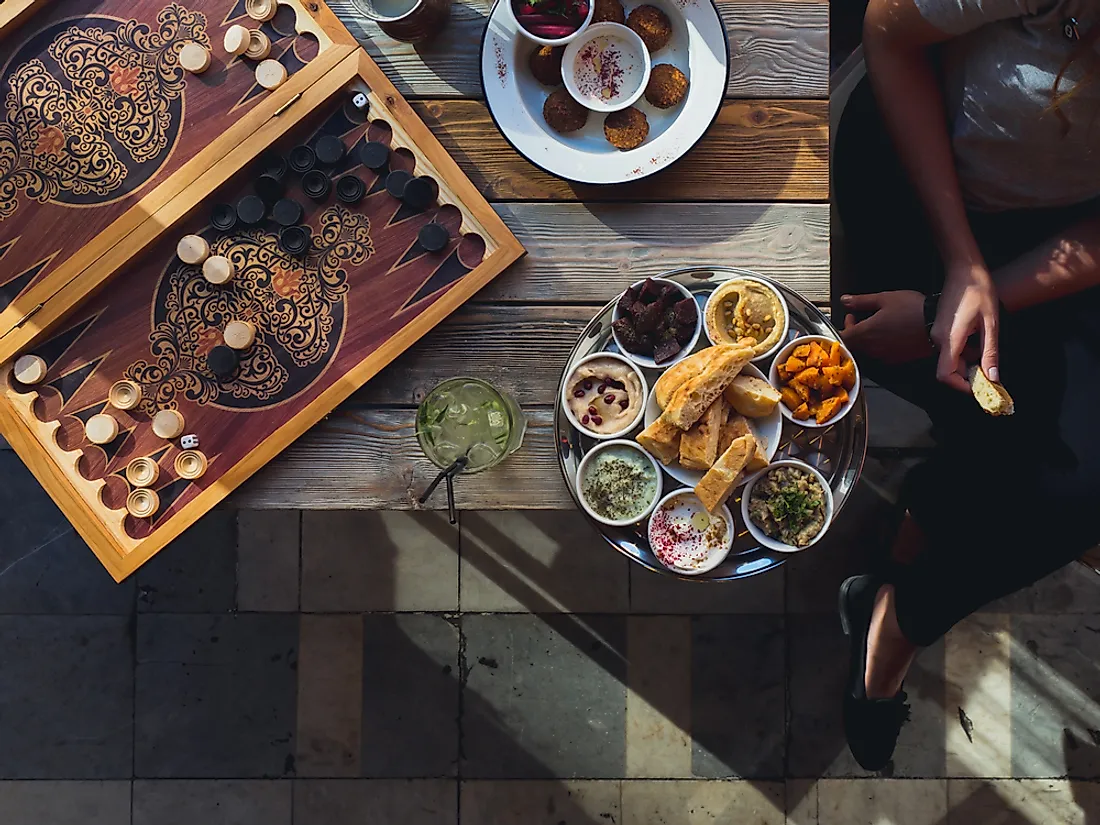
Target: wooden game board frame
<point>14,12</point>
<point>37,309</point>
<point>119,553</point>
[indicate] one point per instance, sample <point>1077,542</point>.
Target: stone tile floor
<point>359,668</point>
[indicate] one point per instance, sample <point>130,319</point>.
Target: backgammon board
<point>96,193</point>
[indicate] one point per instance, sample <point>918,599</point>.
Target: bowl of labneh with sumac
<point>551,22</point>
<point>656,323</point>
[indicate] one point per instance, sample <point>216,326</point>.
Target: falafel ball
<point>667,86</point>
<point>609,11</point>
<point>626,129</point>
<point>563,114</point>
<point>652,25</point>
<point>545,64</point>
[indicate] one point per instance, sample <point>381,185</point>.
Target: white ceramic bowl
<point>717,556</point>
<point>599,448</point>
<point>781,358</point>
<point>632,42</point>
<point>758,534</point>
<point>645,360</point>
<point>542,41</point>
<point>565,396</point>
<point>782,301</point>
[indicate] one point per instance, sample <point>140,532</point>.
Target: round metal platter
<point>515,99</point>
<point>837,451</point>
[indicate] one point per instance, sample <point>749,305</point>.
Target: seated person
<point>967,181</point>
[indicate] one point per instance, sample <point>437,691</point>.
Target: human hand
<point>968,305</point>
<point>894,333</point>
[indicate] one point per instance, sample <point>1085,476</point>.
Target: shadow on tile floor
<point>596,707</point>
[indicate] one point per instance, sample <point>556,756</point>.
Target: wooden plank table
<point>753,193</point>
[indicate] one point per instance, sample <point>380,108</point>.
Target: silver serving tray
<point>837,451</point>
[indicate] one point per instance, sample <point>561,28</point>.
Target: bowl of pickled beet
<point>551,22</point>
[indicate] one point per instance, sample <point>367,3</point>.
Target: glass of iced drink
<point>470,421</point>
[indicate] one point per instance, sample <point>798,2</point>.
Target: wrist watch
<point>931,305</point>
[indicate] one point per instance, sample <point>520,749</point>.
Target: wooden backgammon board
<point>195,269</point>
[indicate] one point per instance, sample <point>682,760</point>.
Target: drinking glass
<point>471,420</point>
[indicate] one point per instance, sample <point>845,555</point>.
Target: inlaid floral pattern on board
<point>93,115</point>
<point>296,304</point>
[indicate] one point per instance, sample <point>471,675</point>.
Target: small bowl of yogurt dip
<point>607,69</point>
<point>604,396</point>
<point>618,483</point>
<point>687,539</point>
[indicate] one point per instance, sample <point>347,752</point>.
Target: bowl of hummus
<point>787,506</point>
<point>618,483</point>
<point>604,396</point>
<point>687,539</point>
<point>748,310</point>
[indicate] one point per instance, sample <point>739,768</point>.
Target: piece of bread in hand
<point>691,400</point>
<point>677,375</point>
<point>661,439</point>
<point>991,397</point>
<point>721,480</point>
<point>699,445</point>
<point>752,396</point>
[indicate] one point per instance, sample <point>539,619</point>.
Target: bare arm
<point>1064,265</point>
<point>895,39</point>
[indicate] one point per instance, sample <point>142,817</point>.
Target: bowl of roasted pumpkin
<point>817,379</point>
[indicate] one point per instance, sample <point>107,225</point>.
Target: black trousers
<point>1003,501</point>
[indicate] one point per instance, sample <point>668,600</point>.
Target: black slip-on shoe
<point>870,725</point>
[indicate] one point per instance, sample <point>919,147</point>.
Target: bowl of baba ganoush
<point>787,506</point>
<point>748,310</point>
<point>604,396</point>
<point>618,483</point>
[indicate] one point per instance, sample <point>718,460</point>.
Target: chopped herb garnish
<point>792,507</point>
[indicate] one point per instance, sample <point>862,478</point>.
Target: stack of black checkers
<point>350,189</point>
<point>223,217</point>
<point>320,167</point>
<point>316,184</point>
<point>302,159</point>
<point>295,240</point>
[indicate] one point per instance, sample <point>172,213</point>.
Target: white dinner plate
<point>770,428</point>
<point>698,48</point>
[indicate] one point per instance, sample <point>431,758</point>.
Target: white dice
<point>360,101</point>
<point>189,442</point>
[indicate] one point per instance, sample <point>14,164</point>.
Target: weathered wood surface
<point>588,252</point>
<point>777,49</point>
<point>520,349</point>
<point>366,458</point>
<point>766,150</point>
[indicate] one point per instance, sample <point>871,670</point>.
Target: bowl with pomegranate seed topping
<point>605,395</point>
<point>551,22</point>
<point>686,538</point>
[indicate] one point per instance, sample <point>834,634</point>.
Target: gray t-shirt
<point>1010,147</point>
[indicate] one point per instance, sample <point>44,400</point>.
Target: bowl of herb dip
<point>787,506</point>
<point>618,483</point>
